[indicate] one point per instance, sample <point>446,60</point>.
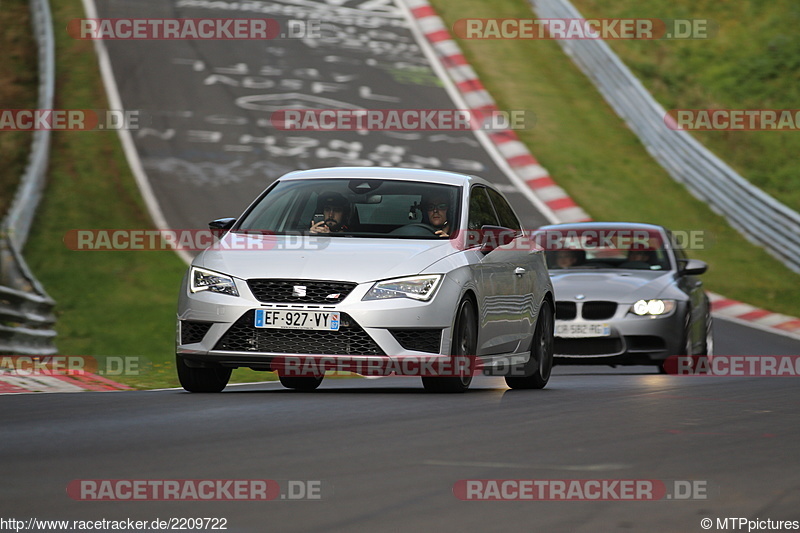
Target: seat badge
<point>299,291</point>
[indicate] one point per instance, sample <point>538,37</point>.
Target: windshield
<point>357,208</point>
<point>630,249</point>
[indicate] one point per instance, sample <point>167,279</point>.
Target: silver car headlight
<point>207,280</point>
<point>414,287</point>
<point>653,307</point>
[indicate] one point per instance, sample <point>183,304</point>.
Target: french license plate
<point>309,320</point>
<point>582,330</point>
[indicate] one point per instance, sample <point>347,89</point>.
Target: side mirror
<point>220,226</point>
<point>493,237</point>
<point>692,267</point>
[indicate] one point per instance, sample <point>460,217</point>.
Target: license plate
<point>582,330</point>
<point>308,320</point>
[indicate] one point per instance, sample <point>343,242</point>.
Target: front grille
<point>192,332</point>
<point>598,310</point>
<point>316,291</point>
<point>419,340</point>
<point>566,310</point>
<point>351,339</point>
<point>592,346</point>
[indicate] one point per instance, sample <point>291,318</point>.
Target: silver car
<point>369,265</point>
<point>625,294</point>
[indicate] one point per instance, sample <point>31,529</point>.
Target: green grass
<point>752,62</point>
<point>18,90</point>
<point>595,157</point>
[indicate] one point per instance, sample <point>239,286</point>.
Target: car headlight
<point>414,287</point>
<point>653,307</point>
<point>206,280</point>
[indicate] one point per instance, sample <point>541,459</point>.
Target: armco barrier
<point>26,311</point>
<point>760,218</point>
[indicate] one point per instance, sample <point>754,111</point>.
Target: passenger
<point>644,256</point>
<point>639,259</point>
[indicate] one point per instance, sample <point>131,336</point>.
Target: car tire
<point>205,379</point>
<point>708,343</point>
<point>300,383</point>
<point>686,346</point>
<point>541,354</point>
<point>465,343</point>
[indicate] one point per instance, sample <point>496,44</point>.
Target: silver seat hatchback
<point>369,270</point>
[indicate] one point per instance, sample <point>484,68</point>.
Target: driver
<point>569,258</point>
<point>336,212</point>
<point>434,213</point>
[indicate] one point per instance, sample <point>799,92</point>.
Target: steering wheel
<point>402,230</point>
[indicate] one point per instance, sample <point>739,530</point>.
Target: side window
<point>504,212</point>
<point>481,212</point>
<point>680,254</point>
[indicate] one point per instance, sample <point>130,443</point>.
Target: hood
<point>625,285</point>
<point>308,257</point>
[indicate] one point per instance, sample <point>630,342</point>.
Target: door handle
<point>519,271</point>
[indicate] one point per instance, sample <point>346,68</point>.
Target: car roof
<point>413,174</point>
<point>603,225</point>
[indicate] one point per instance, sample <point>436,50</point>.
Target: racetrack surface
<point>387,453</point>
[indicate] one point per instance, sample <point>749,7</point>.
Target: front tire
<point>465,345</point>
<point>541,354</point>
<point>204,379</point>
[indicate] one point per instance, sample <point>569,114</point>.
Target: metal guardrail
<point>760,218</point>
<point>26,311</point>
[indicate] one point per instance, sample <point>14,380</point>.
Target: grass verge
<point>601,163</point>
<point>18,90</point>
<point>750,61</point>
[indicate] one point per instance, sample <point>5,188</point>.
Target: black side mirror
<point>220,226</point>
<point>691,267</point>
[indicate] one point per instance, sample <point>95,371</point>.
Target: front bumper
<point>219,329</point>
<point>631,340</point>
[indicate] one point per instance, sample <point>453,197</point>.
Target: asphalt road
<point>387,455</point>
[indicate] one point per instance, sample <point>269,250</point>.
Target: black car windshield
<point>596,248</point>
<point>356,208</point>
